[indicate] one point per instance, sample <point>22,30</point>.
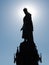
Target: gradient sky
<point>11,23</point>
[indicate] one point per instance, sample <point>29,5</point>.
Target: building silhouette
<point>27,54</point>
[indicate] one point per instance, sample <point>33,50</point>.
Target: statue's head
<point>25,10</point>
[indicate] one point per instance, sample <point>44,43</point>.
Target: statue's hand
<point>21,29</point>
<point>40,58</point>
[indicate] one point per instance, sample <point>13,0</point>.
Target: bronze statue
<point>27,27</point>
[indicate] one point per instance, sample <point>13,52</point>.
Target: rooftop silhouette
<point>28,52</point>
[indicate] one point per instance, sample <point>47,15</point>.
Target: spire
<point>17,49</point>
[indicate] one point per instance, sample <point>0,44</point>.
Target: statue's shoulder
<point>29,14</point>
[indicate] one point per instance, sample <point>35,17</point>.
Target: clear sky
<point>11,23</point>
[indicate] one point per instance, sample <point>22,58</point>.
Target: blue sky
<point>11,23</point>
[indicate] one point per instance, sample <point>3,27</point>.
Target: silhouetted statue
<point>27,26</point>
<point>27,54</point>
